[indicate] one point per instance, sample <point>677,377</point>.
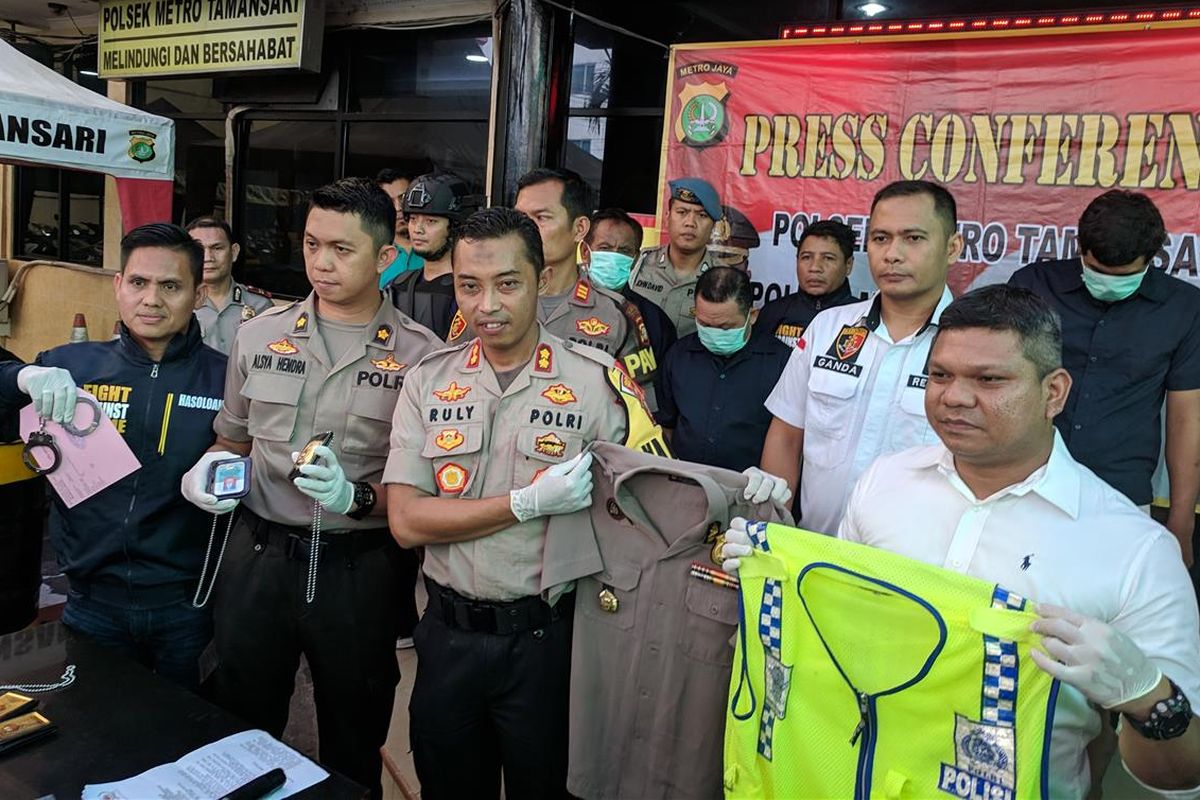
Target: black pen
<point>259,787</point>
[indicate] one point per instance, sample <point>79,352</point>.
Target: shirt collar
<point>874,316</point>
<point>1056,481</point>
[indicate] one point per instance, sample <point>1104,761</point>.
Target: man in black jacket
<point>133,552</point>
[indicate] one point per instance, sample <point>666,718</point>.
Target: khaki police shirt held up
<point>650,678</point>
<point>281,388</point>
<point>456,434</point>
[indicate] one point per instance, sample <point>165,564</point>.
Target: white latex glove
<point>737,546</point>
<point>325,481</point>
<point>52,390</point>
<point>561,489</point>
<point>1095,658</point>
<point>764,485</point>
<point>194,484</point>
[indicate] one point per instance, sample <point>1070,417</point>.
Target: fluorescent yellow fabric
<point>867,674</point>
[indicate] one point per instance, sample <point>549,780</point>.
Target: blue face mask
<point>1111,288</point>
<point>723,341</point>
<point>610,269</point>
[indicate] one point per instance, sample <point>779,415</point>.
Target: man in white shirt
<point>854,387</point>
<point>1002,499</point>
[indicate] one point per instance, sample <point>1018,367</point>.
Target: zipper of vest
<point>866,752</point>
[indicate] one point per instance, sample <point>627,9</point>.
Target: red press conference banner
<point>1024,130</point>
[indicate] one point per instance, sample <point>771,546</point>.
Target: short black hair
<point>943,202</point>
<point>615,215</point>
<point>1119,227</point>
<point>364,199</point>
<point>719,284</point>
<point>839,232</point>
<point>576,196</point>
<point>496,223</point>
<point>212,222</point>
<point>389,175</point>
<point>168,236</point>
<point>1001,307</point>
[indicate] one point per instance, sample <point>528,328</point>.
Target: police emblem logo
<point>247,313</point>
<point>560,394</point>
<point>778,684</point>
<point>543,359</point>
<point>582,291</point>
<point>702,120</point>
<point>383,334</point>
<point>848,342</point>
<point>714,530</point>
<point>984,760</point>
<point>452,393</point>
<point>388,364</point>
<point>301,323</point>
<point>141,146</point>
<point>592,326</point>
<point>457,326</point>
<point>718,547</point>
<point>283,347</point>
<point>608,601</point>
<point>451,478</point>
<point>550,444</point>
<point>449,439</point>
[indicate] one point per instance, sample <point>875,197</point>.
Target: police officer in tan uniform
<point>227,303</point>
<point>667,274</point>
<point>487,441</point>
<point>334,362</point>
<point>571,305</point>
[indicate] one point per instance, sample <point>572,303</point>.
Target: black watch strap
<point>364,500</point>
<point>1168,719</point>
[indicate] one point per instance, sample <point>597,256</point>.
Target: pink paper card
<point>90,464</point>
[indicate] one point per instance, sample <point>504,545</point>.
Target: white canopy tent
<point>46,119</point>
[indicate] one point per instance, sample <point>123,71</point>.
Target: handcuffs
<point>42,438</point>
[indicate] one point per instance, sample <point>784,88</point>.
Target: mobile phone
<point>307,455</point>
<point>229,478</point>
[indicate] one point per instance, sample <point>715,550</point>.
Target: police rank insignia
<point>451,478</point>
<point>452,393</point>
<point>473,356</point>
<point>457,326</point>
<point>301,323</point>
<point>388,364</point>
<point>582,292</point>
<point>592,326</point>
<point>383,334</point>
<point>283,347</point>
<point>702,120</point>
<point>560,394</point>
<point>449,439</point>
<point>247,313</point>
<point>550,444</point>
<point>543,358</point>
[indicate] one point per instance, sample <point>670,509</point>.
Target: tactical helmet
<point>439,196</point>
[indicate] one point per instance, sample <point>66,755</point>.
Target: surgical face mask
<point>610,269</point>
<point>1111,288</point>
<point>723,341</point>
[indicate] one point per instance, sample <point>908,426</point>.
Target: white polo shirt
<point>1061,536</point>
<point>857,394</point>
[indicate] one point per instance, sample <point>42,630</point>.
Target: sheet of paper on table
<point>216,769</point>
<point>90,464</point>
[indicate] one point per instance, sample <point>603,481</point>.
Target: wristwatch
<point>364,500</point>
<point>1168,718</point>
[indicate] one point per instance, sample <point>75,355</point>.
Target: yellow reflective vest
<point>862,673</point>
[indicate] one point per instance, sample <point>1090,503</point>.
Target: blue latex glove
<point>325,481</point>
